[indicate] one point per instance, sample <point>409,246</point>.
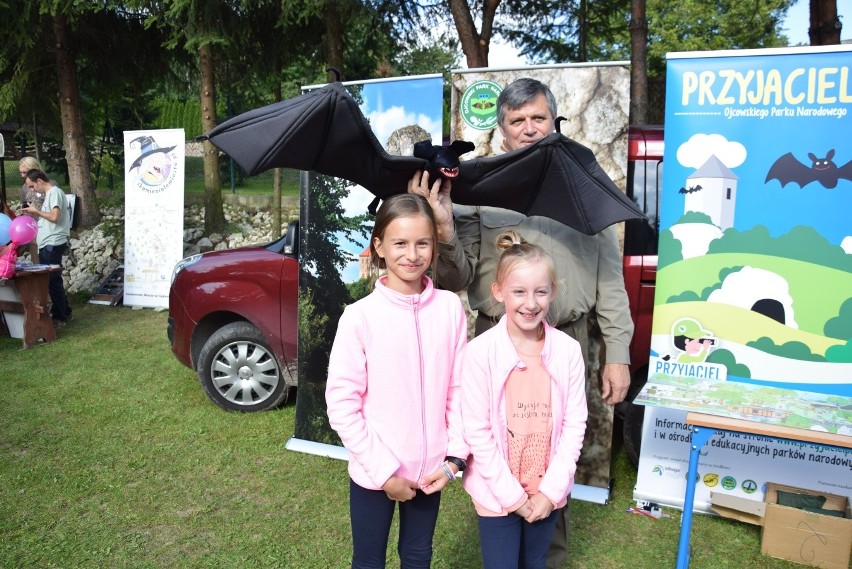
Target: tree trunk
<point>474,44</point>
<point>333,40</point>
<point>638,63</point>
<point>825,25</point>
<point>214,216</point>
<point>74,140</point>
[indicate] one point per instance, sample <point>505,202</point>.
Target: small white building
<point>712,189</point>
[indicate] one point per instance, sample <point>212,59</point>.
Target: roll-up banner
<point>334,242</point>
<point>153,214</point>
<point>595,101</point>
<point>753,306</point>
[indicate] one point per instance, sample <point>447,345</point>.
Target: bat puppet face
<point>443,161</point>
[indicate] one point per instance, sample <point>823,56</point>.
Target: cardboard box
<point>808,538</point>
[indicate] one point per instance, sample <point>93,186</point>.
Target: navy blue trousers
<point>510,542</point>
<point>52,255</point>
<point>371,513</point>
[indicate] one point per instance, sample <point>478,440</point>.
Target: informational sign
<point>595,101</point>
<point>333,248</point>
<point>753,306</point>
<point>153,214</point>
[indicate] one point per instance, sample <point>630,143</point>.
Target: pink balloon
<point>23,229</point>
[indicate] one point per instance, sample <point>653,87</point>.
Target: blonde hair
<point>30,163</point>
<point>516,250</point>
<point>402,205</point>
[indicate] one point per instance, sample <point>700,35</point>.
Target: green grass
<point>111,456</point>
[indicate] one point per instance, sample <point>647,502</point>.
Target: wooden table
<point>34,302</point>
<point>704,426</point>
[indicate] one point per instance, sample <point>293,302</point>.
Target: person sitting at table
<point>54,230</point>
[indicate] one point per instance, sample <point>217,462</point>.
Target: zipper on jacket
<point>415,306</point>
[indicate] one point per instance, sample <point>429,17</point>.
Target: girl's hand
<point>399,489</point>
<point>526,510</point>
<point>541,506</point>
<point>437,481</point>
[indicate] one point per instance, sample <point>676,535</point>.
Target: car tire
<point>238,370</point>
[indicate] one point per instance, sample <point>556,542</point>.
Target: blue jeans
<point>371,513</point>
<point>52,255</point>
<point>510,542</point>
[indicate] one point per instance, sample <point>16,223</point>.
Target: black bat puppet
<point>324,130</point>
<point>788,169</point>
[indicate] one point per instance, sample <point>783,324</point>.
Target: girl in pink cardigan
<point>524,408</point>
<point>393,394</point>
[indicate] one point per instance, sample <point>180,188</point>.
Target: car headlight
<point>184,263</point>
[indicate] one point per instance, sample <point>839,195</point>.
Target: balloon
<point>23,229</point>
<point>5,222</point>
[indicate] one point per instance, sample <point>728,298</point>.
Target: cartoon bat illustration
<point>324,130</point>
<point>788,169</point>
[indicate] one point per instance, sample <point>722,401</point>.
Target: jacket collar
<point>407,300</point>
<point>507,355</point>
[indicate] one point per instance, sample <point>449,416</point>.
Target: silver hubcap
<point>245,373</point>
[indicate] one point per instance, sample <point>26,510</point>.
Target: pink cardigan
<point>393,393</point>
<point>488,359</point>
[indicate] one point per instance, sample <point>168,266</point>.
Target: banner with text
<point>753,305</point>
<point>153,214</point>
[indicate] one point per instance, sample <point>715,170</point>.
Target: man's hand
<point>614,383</point>
<point>439,198</point>
<point>399,489</point>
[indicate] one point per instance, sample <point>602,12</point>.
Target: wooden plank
<point>768,430</point>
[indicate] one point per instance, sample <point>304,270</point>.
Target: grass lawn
<point>111,456</point>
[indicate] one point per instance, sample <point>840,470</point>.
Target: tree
<point>474,43</point>
<point>638,63</point>
<point>76,153</point>
<point>825,25</point>
<point>199,26</point>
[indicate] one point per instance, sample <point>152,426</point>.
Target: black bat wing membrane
<point>324,130</point>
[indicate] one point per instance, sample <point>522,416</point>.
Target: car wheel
<point>238,370</point>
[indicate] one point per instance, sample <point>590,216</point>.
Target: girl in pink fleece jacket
<point>393,393</point>
<point>524,409</point>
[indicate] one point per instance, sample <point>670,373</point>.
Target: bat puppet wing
<point>324,130</point>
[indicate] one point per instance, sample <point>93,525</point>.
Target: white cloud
<point>694,152</point>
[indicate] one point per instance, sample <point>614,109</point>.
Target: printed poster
<point>595,101</point>
<point>334,238</point>
<point>753,306</point>
<point>153,214</point>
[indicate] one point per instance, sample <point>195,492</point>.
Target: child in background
<point>393,393</point>
<point>524,408</point>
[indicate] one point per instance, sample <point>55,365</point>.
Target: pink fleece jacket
<point>488,359</point>
<point>393,393</point>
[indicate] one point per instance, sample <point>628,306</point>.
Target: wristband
<point>461,464</point>
<point>448,472</point>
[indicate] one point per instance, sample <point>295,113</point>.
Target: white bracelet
<point>448,471</point>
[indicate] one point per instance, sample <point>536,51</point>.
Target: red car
<point>644,182</point>
<point>233,319</point>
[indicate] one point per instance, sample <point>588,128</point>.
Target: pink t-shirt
<point>529,420</point>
